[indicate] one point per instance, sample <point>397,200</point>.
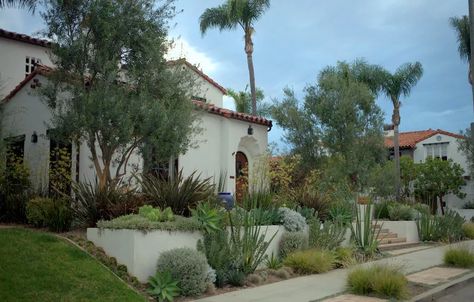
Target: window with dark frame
<point>30,64</point>
<point>437,150</point>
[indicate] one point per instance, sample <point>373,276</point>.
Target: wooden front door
<point>241,176</point>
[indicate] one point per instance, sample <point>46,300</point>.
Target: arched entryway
<point>241,175</point>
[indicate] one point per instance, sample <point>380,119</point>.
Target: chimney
<point>388,130</point>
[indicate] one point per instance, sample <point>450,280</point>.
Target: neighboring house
<point>228,143</point>
<point>434,143</point>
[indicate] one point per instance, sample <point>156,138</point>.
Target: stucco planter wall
<point>405,229</point>
<point>139,251</point>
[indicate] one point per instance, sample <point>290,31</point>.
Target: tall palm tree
<point>243,102</point>
<point>232,14</point>
<point>30,5</point>
<point>394,86</point>
<point>462,28</point>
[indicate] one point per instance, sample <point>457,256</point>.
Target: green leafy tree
<point>462,28</point>
<point>112,87</point>
<point>339,118</point>
<point>408,173</point>
<point>243,102</point>
<point>437,178</point>
<point>394,86</point>
<point>30,5</point>
<point>233,14</point>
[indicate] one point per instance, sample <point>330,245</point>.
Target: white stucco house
<point>228,142</point>
<point>435,143</point>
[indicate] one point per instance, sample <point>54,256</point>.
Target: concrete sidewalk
<point>314,287</point>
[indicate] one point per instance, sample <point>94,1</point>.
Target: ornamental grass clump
<point>386,281</point>
<point>460,256</point>
<point>468,230</point>
<point>188,267</point>
<point>310,261</point>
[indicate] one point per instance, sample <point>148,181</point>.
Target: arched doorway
<point>241,175</point>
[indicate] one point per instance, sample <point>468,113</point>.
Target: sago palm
<point>233,14</point>
<point>394,86</point>
<point>462,28</point>
<point>28,4</point>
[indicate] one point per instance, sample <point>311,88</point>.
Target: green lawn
<point>38,266</point>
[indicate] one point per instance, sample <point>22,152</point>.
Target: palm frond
<point>30,5</point>
<point>462,27</point>
<point>406,77</point>
<point>217,17</point>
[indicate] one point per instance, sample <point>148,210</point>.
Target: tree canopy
<point>112,87</point>
<point>339,118</point>
<point>30,5</point>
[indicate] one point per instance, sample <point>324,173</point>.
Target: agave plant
<point>179,193</point>
<point>163,287</point>
<point>210,217</point>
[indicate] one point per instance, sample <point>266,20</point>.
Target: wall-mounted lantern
<point>34,137</point>
<point>250,130</point>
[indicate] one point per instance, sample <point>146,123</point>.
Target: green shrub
<point>400,212</point>
<point>291,242</point>
<point>137,222</point>
<point>180,193</point>
<point>468,230</point>
<point>156,214</point>
<point>382,280</point>
<point>210,217</point>
<point>310,261</point>
<point>381,209</point>
<point>273,262</point>
<point>188,267</point>
<point>451,226</point>
<point>327,235</point>
<point>54,213</point>
<point>307,213</point>
<point>163,287</point>
<point>292,220</point>
<point>460,256</point>
<point>36,211</point>
<point>421,208</point>
<point>341,212</point>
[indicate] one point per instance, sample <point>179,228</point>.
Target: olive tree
<point>112,87</point>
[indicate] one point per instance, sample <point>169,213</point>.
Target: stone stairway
<point>390,241</point>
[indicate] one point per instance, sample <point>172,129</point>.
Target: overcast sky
<point>294,40</point>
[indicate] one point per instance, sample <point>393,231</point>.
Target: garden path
<point>315,287</point>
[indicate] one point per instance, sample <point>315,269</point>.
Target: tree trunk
<point>471,37</point>
<point>249,52</point>
<point>396,148</point>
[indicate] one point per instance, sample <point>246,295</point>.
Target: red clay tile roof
<point>23,38</point>
<point>199,72</point>
<point>233,114</point>
<point>408,140</point>
<point>44,70</point>
<point>40,69</point>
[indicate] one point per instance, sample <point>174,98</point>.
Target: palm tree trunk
<point>396,149</point>
<point>249,52</point>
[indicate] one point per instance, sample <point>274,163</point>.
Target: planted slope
<point>37,266</point>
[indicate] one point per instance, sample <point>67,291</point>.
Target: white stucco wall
<point>12,62</point>
<point>454,154</point>
<point>218,143</point>
<point>139,251</point>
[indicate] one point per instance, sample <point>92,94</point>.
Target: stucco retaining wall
<point>466,213</point>
<point>139,251</point>
<point>405,229</point>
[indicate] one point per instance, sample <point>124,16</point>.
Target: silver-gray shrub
<point>291,242</point>
<point>189,267</point>
<point>292,220</point>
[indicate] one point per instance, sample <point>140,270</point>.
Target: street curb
<point>443,289</point>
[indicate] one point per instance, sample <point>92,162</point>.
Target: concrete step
<point>392,240</point>
<point>397,246</point>
<point>387,235</point>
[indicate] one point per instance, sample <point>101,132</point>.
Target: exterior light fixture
<point>34,137</point>
<point>250,130</point>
